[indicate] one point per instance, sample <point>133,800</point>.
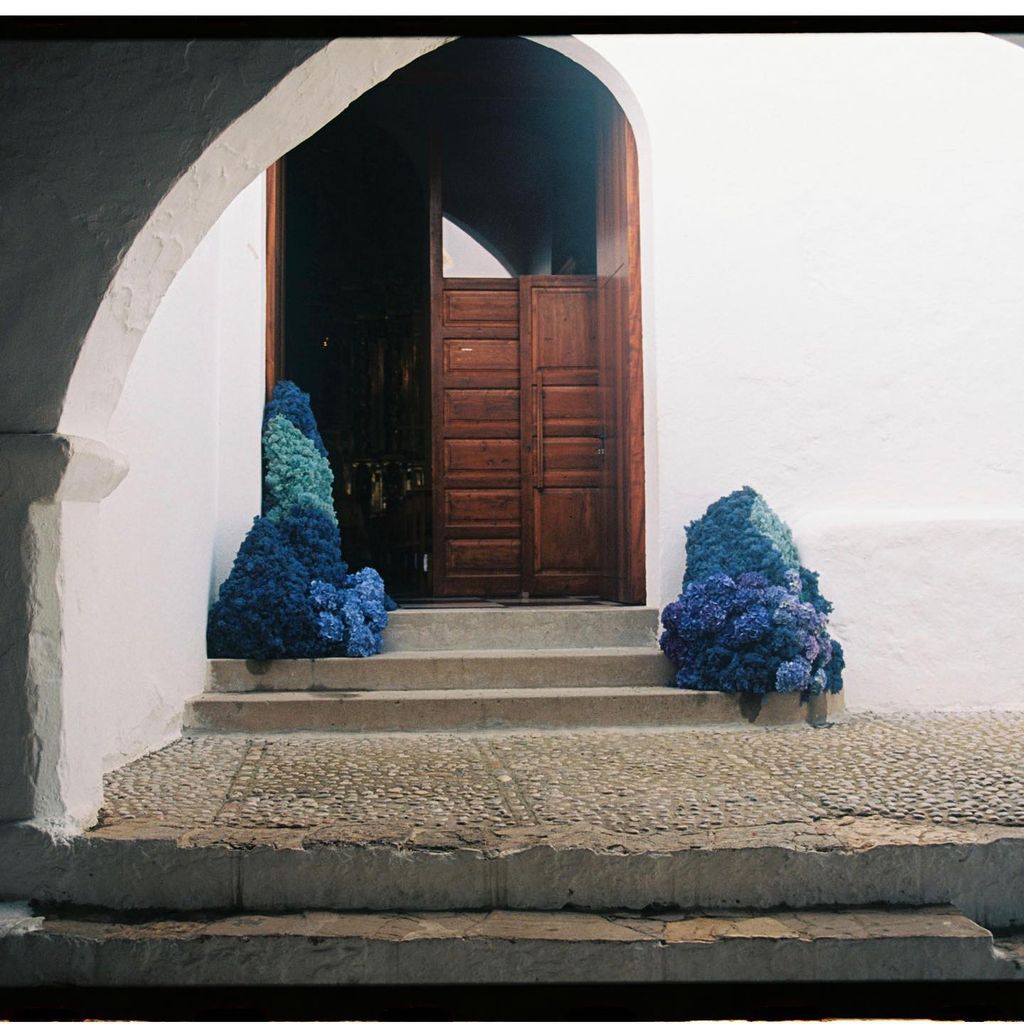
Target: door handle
<point>600,444</point>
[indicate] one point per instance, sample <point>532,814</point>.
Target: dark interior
<point>513,124</point>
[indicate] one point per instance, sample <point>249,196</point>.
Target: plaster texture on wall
<point>37,472</point>
<point>140,569</point>
<point>947,635</point>
<point>103,130</point>
<point>834,244</point>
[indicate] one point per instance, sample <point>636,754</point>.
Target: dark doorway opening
<point>355,306</point>
<point>483,174</point>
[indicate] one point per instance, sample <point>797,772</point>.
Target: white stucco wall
<point>834,245</point>
<point>141,568</point>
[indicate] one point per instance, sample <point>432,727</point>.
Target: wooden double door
<point>526,490</point>
<point>537,414</point>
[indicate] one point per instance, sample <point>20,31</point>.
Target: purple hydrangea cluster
<point>353,616</point>
<point>748,635</point>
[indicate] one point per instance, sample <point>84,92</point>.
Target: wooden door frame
<point>630,461</point>
<point>274,366</point>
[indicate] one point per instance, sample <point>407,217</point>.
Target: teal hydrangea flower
<point>296,473</point>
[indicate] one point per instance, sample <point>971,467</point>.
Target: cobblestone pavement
<point>656,786</point>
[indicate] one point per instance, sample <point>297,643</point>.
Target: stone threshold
<point>311,948</point>
<point>846,861</point>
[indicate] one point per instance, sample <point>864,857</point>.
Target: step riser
<point>440,672</point>
<point>981,879</point>
<point>458,629</point>
<point>45,958</point>
<point>526,709</point>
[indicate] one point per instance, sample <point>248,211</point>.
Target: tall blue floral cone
<point>289,593</point>
<point>749,618</point>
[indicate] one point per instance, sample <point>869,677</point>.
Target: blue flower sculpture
<point>289,593</point>
<point>750,618</point>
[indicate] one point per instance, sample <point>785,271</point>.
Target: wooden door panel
<point>563,331</point>
<point>482,355</point>
<point>481,462</point>
<point>564,480</point>
<point>481,412</point>
<point>568,532</point>
<point>572,462</point>
<point>572,410</point>
<point>477,560</point>
<point>480,308</point>
<point>477,460</point>
<point>479,507</point>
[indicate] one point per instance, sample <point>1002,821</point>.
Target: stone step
<point>538,707</point>
<point>448,670</point>
<point>160,866</point>
<point>464,629</point>
<point>325,948</point>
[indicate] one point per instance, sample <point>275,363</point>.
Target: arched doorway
<point>454,270</point>
<point>168,196</point>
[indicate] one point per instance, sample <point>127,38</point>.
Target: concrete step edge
<point>658,693</point>
<point>908,943</point>
<point>483,654</point>
<point>214,867</point>
<point>528,607</point>
<point>461,669</point>
<point>641,613</point>
<point>495,708</point>
<point>501,628</point>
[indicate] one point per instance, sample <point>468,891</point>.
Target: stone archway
<point>213,116</point>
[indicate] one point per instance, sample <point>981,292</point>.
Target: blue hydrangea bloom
<point>262,610</point>
<point>747,636</point>
<point>737,534</point>
<point>740,533</point>
<point>834,669</point>
<point>750,618</point>
<point>352,616</point>
<point>291,402</point>
<point>793,675</point>
<point>316,543</point>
